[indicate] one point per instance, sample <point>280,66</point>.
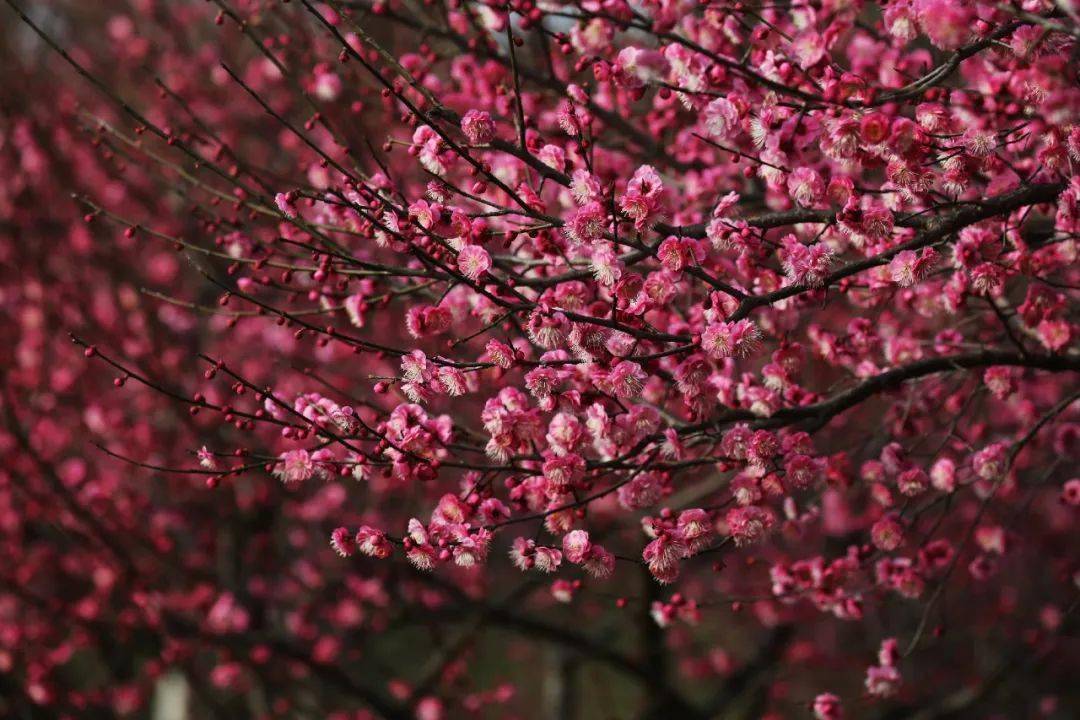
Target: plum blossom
<point>588,223</point>
<point>731,339</point>
<point>296,467</point>
<point>473,261</point>
<point>721,118</point>
<point>883,680</point>
<point>645,198</point>
<point>805,265</point>
<point>990,462</point>
<point>806,186</point>
<point>527,555</point>
<point>768,305</point>
<point>947,24</point>
<point>478,127</point>
<point>372,542</point>
<point>827,707</point>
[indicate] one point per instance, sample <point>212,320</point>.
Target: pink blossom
<point>771,304</point>
<point>576,546</point>
<point>295,467</point>
<point>990,462</point>
<point>887,534</point>
<point>587,224</point>
<point>478,127</point>
<point>882,681</point>
<point>806,186</point>
<point>473,261</point>
<point>749,524</point>
<point>721,118</point>
<point>730,339</point>
<point>372,542</point>
<point>284,202</point>
<point>342,542</point>
<point>947,24</point>
<point>527,555</point>
<point>827,707</point>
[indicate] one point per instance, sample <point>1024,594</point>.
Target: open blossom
<point>749,524</point>
<point>948,24</point>
<point>990,462</point>
<point>324,413</point>
<point>636,65</point>
<point>568,118</point>
<point>882,681</point>
<point>912,481</point>
<point>547,329</point>
<point>599,563</point>
<point>979,143</point>
<point>342,542</point>
<point>662,556</point>
<point>805,264</point>
<point>473,261</point>
<point>588,223</point>
<point>730,339</point>
<point>943,475</point>
<point>1054,334</point>
<point>677,253</point>
<point>625,380</point>
<point>327,85</point>
<point>500,353</point>
<point>284,202</point>
<point>527,555</point>
<point>563,590</point>
<point>355,307</point>
<point>450,381</point>
<point>430,150</point>
<point>478,127</point>
<point>295,467</point>
<point>908,267</point>
<point>584,187</point>
<point>565,432</point>
<point>372,542</point>
<point>695,527</point>
<point>427,320</point>
<point>645,197</point>
<point>901,20</point>
<point>1001,381</point>
<point>887,534</point>
<point>471,549</point>
<point>606,266</point>
<point>576,546</point>
<point>641,492</point>
<point>806,186</point>
<point>721,118</point>
<point>206,458</point>
<point>907,175</point>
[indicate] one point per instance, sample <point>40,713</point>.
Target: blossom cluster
<point>717,344</point>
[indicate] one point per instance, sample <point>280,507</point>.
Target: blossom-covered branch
<point>699,358</point>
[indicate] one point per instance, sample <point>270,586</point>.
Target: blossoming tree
<point>677,358</point>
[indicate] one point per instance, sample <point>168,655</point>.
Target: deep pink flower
<point>730,339</point>
<point>478,127</point>
<point>776,301</point>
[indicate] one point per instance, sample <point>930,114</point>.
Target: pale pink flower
<point>478,127</point>
<point>473,261</point>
